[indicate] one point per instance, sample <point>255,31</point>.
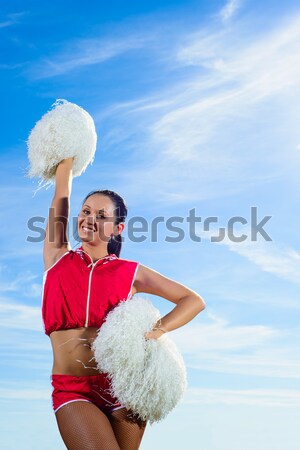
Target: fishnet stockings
<point>83,426</point>
<point>128,430</point>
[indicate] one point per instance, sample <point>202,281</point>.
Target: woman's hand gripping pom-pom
<point>65,131</point>
<point>148,376</point>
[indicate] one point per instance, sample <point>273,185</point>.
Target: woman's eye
<point>99,216</point>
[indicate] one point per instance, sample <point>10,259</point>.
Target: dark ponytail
<point>114,244</point>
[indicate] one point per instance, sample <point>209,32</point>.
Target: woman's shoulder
<point>126,260</point>
<point>126,265</point>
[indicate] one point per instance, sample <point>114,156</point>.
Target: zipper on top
<point>88,296</point>
<point>93,264</point>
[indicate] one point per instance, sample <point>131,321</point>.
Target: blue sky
<point>196,106</point>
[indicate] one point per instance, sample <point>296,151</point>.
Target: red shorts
<point>91,388</point>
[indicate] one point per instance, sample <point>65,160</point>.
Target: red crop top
<point>79,293</point>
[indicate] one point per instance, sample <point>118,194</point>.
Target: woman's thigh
<point>83,425</point>
<point>128,431</point>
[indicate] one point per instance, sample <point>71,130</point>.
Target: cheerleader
<point>80,287</point>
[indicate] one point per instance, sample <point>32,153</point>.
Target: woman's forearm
<point>63,178</point>
<point>186,309</point>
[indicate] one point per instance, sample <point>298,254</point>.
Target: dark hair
<point>114,245</point>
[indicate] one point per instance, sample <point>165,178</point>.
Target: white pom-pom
<point>148,376</point>
<point>65,131</point>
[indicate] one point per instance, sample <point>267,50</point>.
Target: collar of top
<point>105,259</point>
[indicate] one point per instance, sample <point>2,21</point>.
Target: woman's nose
<point>90,220</point>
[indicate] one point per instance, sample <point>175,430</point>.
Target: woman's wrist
<point>155,333</point>
<point>159,326</point>
<point>163,330</point>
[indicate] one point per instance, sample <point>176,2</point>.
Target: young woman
<point>79,288</point>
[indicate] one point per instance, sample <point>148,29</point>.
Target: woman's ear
<point>121,227</point>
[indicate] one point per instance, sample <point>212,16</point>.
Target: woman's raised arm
<point>56,240</point>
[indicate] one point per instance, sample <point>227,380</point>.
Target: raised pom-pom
<point>66,131</point>
<point>148,376</point>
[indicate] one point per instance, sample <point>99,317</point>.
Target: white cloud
<point>283,262</point>
<point>238,77</point>
<point>18,283</point>
<point>212,122</point>
<point>82,53</point>
<point>20,316</point>
<point>249,397</point>
<point>269,362</point>
<point>12,19</point>
<point>278,259</point>
<point>229,9</point>
<point>249,69</point>
<point>15,393</point>
<point>221,336</point>
<point>250,350</point>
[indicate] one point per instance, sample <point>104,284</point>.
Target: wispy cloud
<point>229,9</point>
<point>236,78</point>
<point>249,397</point>
<point>20,315</point>
<point>12,391</point>
<point>83,53</point>
<point>18,283</point>
<point>25,282</point>
<point>192,122</point>
<point>231,87</point>
<point>222,336</point>
<point>278,259</point>
<point>11,66</point>
<point>12,19</point>
<point>282,262</point>
<point>251,350</point>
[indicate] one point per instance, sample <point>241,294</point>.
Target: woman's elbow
<point>201,302</point>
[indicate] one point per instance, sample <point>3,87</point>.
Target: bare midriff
<point>72,351</point>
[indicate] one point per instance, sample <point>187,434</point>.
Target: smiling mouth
<point>86,229</point>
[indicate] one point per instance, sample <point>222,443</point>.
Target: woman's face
<point>96,220</point>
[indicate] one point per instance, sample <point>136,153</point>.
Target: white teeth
<point>87,229</point>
